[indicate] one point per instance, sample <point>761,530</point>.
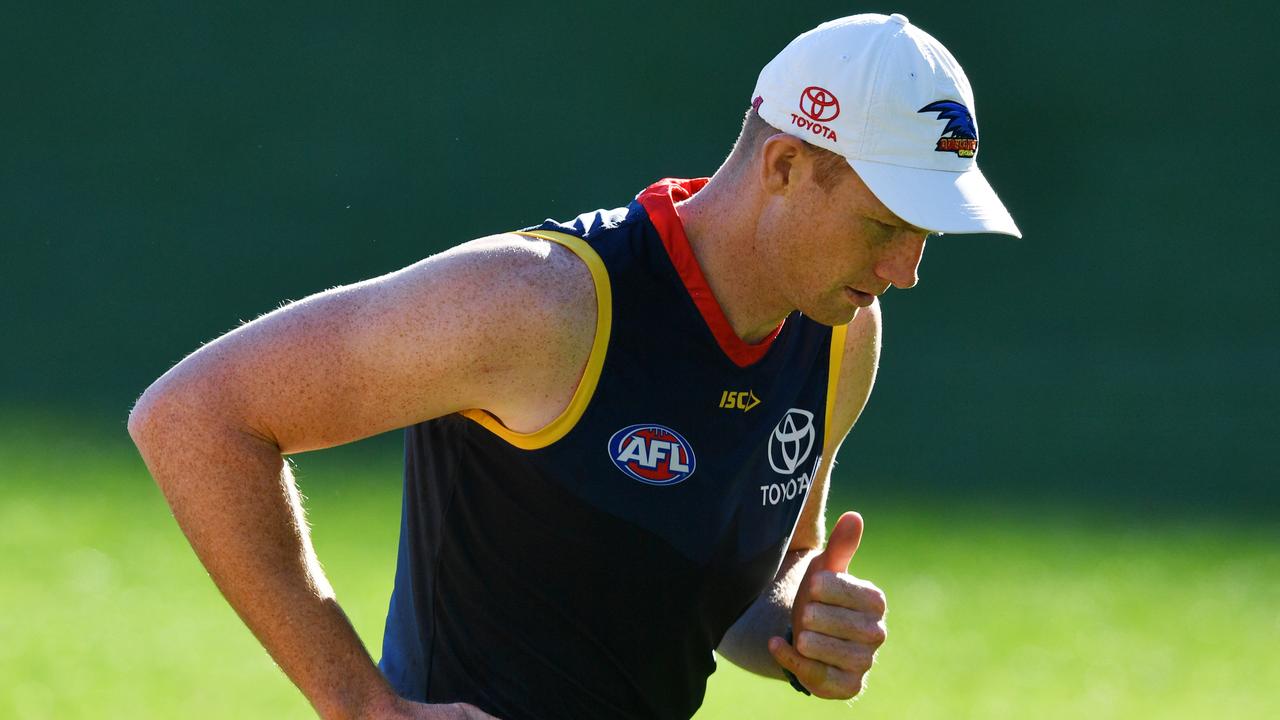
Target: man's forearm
<point>746,643</point>
<point>235,500</point>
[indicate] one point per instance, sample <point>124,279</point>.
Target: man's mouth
<point>859,298</point>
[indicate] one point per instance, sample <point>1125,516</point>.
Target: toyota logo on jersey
<point>792,441</point>
<point>652,454</point>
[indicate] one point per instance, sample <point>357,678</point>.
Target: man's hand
<point>409,710</point>
<point>837,620</point>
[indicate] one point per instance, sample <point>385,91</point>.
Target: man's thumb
<point>842,544</point>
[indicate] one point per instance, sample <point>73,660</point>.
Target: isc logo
<point>743,401</point>
<point>652,454</point>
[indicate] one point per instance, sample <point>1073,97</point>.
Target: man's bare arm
<point>504,324</point>
<point>746,642</point>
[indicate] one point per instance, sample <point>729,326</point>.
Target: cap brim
<point>938,200</point>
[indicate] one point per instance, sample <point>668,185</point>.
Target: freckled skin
<point>771,240</point>
<point>505,324</point>
<point>818,242</point>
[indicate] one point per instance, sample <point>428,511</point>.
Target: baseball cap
<point>894,102</point>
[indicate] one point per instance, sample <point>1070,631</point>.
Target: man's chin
<point>834,317</point>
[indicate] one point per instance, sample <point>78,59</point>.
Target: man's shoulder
<point>528,306</point>
<point>525,273</point>
<point>860,360</point>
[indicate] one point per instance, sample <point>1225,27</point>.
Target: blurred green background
<point>1067,465</point>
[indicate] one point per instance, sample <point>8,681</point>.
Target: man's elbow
<point>146,420</point>
<point>162,414</point>
<point>176,415</point>
<point>140,417</point>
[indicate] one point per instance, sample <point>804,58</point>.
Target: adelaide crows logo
<point>652,454</point>
<point>960,136</point>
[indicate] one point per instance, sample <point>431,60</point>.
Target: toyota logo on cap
<point>820,104</point>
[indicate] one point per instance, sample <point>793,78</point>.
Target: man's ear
<point>779,157</point>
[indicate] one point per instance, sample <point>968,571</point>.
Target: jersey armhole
<point>567,419</point>
<point>829,443</point>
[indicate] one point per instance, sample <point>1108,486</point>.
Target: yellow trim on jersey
<point>833,379</point>
<point>561,426</point>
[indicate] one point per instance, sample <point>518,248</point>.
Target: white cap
<point>888,97</point>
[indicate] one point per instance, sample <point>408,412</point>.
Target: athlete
<point>620,428</point>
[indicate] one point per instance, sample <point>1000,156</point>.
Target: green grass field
<point>995,611</point>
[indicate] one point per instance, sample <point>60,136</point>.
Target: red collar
<point>659,201</point>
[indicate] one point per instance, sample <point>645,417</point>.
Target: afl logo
<point>819,104</point>
<point>792,441</point>
<point>652,454</point>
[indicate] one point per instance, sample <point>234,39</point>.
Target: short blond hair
<point>828,167</point>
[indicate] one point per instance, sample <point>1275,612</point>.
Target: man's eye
<point>882,227</point>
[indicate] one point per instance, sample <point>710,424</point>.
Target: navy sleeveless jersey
<point>589,570</point>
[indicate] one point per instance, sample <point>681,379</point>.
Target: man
<point>620,429</point>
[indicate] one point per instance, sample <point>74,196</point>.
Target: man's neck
<point>720,222</point>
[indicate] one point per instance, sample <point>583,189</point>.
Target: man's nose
<point>901,263</point>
